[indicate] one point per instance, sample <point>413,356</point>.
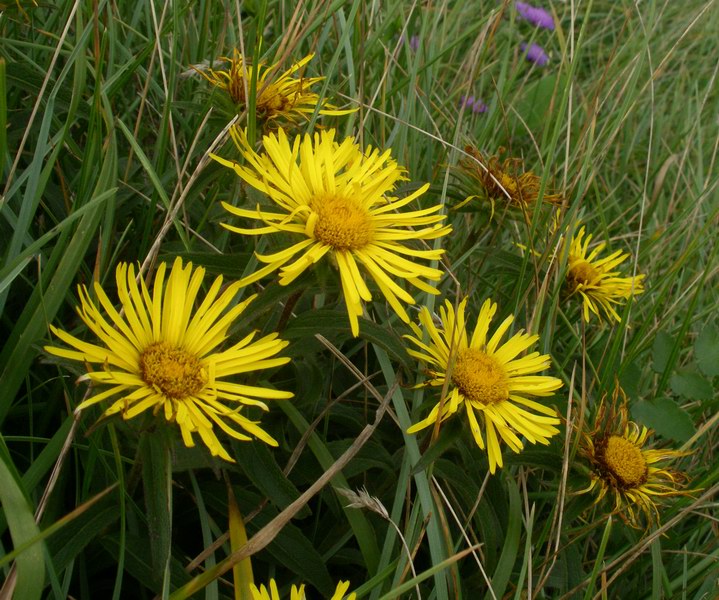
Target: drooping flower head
<point>634,476</point>
<point>596,280</point>
<point>297,593</point>
<point>490,380</point>
<point>534,53</point>
<point>502,181</point>
<point>160,353</point>
<point>535,15</point>
<point>280,95</point>
<point>335,199</point>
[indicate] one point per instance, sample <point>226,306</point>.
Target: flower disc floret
<point>490,380</point>
<point>335,199</point>
<point>161,353</point>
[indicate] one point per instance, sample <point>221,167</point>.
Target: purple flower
<point>535,54</point>
<point>477,105</point>
<point>413,42</point>
<point>535,15</point>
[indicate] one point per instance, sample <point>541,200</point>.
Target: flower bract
<point>596,280</point>
<point>161,353</point>
<point>634,476</point>
<point>334,199</point>
<point>492,381</point>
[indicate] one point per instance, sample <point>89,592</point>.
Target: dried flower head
<point>634,476</point>
<point>502,181</point>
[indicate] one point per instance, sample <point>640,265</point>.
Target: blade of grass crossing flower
<point>29,577</point>
<point>252,92</point>
<point>505,565</point>
<point>598,560</point>
<point>242,571</point>
<point>435,536</point>
<point>157,487</point>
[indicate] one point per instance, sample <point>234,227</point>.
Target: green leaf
<point>665,417</point>
<point>692,385</point>
<point>706,349</point>
<point>662,351</point>
<point>18,512</point>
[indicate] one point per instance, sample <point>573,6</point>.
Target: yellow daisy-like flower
<point>279,95</point>
<point>159,353</point>
<point>297,593</point>
<point>491,381</point>
<point>596,279</point>
<point>335,198</point>
<point>504,181</point>
<point>623,468</point>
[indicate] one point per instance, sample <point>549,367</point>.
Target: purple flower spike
<point>414,43</point>
<point>535,15</point>
<point>479,106</point>
<point>535,54</point>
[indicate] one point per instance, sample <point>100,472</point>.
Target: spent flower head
<point>159,353</point>
<point>335,200</point>
<point>490,380</point>
<point>489,178</point>
<point>624,468</point>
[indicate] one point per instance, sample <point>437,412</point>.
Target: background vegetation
<point>104,134</point>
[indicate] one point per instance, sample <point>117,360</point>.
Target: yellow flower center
<point>625,461</point>
<point>173,371</point>
<point>480,377</point>
<point>582,272</point>
<point>342,224</point>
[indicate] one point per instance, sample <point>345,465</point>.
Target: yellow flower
<point>160,353</point>
<point>503,181</point>
<point>334,197</point>
<point>297,593</point>
<point>488,379</point>
<point>624,468</point>
<point>278,95</point>
<point>596,279</point>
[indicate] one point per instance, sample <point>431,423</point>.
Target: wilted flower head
<point>475,105</point>
<point>534,53</point>
<point>278,95</point>
<point>624,468</point>
<point>535,15</point>
<point>503,181</point>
